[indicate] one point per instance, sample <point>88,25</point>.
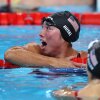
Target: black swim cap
<point>94,58</point>
<point>67,23</point>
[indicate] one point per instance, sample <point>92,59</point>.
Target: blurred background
<point>48,5</point>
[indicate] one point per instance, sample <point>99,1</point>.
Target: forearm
<point>22,57</point>
<point>26,58</point>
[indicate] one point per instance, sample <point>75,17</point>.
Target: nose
<point>42,34</point>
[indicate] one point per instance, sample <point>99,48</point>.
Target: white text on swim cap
<point>67,30</point>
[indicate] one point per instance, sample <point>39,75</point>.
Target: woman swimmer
<point>92,90</point>
<point>58,32</point>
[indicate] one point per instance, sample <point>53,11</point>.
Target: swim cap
<point>67,23</point>
<point>94,58</point>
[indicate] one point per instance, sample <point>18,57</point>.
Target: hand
<point>63,92</point>
<point>33,47</point>
<point>30,45</point>
<point>14,49</point>
<point>79,64</point>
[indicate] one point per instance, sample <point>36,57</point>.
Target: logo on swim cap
<point>92,61</point>
<point>74,23</point>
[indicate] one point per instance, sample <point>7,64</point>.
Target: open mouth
<point>44,43</point>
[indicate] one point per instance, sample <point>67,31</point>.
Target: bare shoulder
<point>86,90</point>
<point>33,47</point>
<point>83,54</point>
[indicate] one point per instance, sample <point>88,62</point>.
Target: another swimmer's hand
<point>63,92</point>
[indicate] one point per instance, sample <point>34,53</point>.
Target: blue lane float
<point>68,70</point>
<point>7,65</point>
<point>59,71</point>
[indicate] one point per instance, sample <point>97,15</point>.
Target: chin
<point>47,53</point>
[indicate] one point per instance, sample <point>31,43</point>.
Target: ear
<point>62,38</point>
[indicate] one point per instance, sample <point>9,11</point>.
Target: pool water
<point>20,35</point>
<point>71,8</point>
<point>20,84</point>
<point>25,83</point>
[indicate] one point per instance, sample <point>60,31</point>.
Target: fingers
<point>30,44</point>
<point>71,57</point>
<point>79,64</point>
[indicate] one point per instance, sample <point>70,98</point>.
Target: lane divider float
<point>7,65</point>
<point>79,70</point>
<point>4,64</point>
<point>34,18</point>
<point>53,71</point>
<point>90,18</point>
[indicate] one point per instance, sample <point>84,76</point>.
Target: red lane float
<point>34,18</point>
<point>78,16</point>
<point>19,18</point>
<point>90,18</point>
<point>4,19</point>
<point>37,17</point>
<point>80,60</point>
<point>7,65</point>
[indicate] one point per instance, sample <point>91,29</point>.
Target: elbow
<point>11,53</point>
<point>8,55</point>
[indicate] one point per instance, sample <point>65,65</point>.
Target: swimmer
<point>58,32</point>
<point>92,89</point>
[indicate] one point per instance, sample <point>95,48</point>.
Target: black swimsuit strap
<point>78,55</point>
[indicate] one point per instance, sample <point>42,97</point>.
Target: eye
<point>44,27</point>
<point>49,27</point>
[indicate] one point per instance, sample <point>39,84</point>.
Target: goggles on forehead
<point>49,21</point>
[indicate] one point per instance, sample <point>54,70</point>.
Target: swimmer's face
<point>51,39</point>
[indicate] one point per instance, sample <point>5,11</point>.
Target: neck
<point>95,81</point>
<point>65,51</point>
